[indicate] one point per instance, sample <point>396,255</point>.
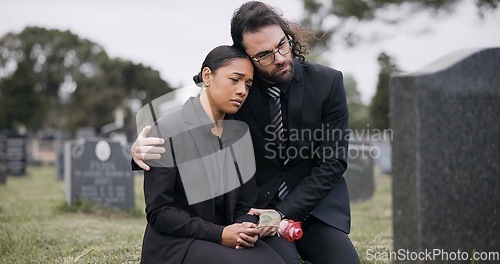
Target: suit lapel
<point>295,101</point>
<point>194,126</point>
<point>257,107</point>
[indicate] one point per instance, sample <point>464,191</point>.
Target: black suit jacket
<point>172,222</point>
<point>314,175</point>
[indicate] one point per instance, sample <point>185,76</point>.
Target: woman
<point>198,197</point>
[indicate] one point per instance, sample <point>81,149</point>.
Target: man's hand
<point>240,236</point>
<point>276,219</point>
<point>144,148</point>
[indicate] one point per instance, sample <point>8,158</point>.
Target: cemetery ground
<point>36,225</point>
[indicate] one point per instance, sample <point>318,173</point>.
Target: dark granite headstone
<point>60,163</point>
<point>98,170</point>
<point>16,154</point>
<point>3,159</point>
<point>446,163</point>
<point>359,173</point>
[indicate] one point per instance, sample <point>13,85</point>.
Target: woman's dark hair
<point>253,15</point>
<point>219,57</point>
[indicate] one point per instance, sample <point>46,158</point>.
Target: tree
<point>20,105</point>
<point>379,109</point>
<point>343,19</point>
<point>358,112</point>
<point>52,78</point>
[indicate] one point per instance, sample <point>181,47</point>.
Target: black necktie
<point>277,123</point>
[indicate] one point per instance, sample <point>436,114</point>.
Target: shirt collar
<point>283,86</point>
<point>206,124</point>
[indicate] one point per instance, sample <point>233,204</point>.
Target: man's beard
<point>274,77</point>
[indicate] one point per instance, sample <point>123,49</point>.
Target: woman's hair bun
<point>198,79</point>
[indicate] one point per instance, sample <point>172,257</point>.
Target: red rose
<point>290,230</point>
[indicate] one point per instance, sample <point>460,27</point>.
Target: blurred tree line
<point>376,115</point>
<point>54,79</point>
<point>341,22</point>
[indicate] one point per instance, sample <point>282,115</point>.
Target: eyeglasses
<point>269,58</point>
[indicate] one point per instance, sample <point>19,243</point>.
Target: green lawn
<point>37,227</point>
<point>371,221</point>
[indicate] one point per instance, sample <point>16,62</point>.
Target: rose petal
<point>298,233</point>
<point>290,230</point>
<point>283,227</point>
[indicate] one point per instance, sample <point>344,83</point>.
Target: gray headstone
<point>60,163</point>
<point>359,173</point>
<point>3,159</point>
<point>98,170</point>
<point>60,136</point>
<point>16,154</point>
<point>383,160</point>
<point>446,169</point>
<point>85,132</point>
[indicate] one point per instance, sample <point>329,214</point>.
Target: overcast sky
<point>174,38</point>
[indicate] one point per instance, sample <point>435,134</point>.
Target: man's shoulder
<point>315,68</point>
<point>318,74</point>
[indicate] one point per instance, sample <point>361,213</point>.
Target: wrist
<point>282,215</point>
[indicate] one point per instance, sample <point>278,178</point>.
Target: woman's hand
<point>275,221</point>
<point>240,236</point>
<point>144,149</point>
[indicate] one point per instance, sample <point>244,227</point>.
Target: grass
<point>371,222</point>
<point>36,226</point>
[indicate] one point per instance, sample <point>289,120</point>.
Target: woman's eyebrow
<point>242,75</point>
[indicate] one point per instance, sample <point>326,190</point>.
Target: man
<point>297,114</point>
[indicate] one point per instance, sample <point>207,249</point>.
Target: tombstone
<point>16,154</point>
<point>359,173</point>
<point>3,159</point>
<point>98,170</point>
<point>60,163</point>
<point>85,132</point>
<point>446,169</point>
<point>383,160</point>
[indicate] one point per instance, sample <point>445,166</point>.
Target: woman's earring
<point>206,85</point>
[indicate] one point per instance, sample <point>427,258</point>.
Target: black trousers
<point>206,252</point>
<point>320,244</point>
<point>324,244</point>
<point>287,250</point>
